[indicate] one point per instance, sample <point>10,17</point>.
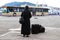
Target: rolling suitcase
<point>42,29</point>
<point>35,28</point>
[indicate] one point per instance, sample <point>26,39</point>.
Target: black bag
<point>35,28</point>
<point>42,29</point>
<point>21,20</point>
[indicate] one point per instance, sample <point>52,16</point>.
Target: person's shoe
<point>23,35</point>
<point>27,36</point>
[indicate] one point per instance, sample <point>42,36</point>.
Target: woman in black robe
<point>25,29</point>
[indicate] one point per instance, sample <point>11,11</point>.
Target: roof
<point>24,6</point>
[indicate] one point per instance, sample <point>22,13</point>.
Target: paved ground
<point>10,28</point>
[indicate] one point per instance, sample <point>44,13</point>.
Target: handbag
<point>21,20</point>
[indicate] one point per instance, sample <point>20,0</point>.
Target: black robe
<point>25,29</point>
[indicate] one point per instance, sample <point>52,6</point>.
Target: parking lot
<point>10,28</point>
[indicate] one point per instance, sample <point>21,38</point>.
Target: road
<point>51,23</point>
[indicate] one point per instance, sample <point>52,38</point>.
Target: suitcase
<point>36,28</point>
<point>42,29</point>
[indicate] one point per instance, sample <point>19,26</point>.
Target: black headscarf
<point>26,7</point>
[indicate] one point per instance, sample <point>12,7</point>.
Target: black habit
<point>25,29</point>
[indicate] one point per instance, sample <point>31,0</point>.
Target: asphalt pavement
<point>10,29</point>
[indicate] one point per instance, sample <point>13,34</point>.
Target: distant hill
<point>19,4</point>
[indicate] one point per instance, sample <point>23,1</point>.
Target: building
<point>38,9</point>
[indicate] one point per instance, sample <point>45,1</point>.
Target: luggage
<point>36,28</point>
<point>21,20</point>
<point>42,29</point>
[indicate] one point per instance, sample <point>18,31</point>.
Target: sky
<point>53,3</point>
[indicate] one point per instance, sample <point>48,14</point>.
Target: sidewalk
<point>50,34</point>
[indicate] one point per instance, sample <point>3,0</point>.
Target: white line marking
<point>15,32</point>
<point>51,28</point>
<point>12,31</point>
<point>5,34</point>
<point>15,29</point>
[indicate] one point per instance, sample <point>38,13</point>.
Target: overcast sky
<point>53,3</point>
